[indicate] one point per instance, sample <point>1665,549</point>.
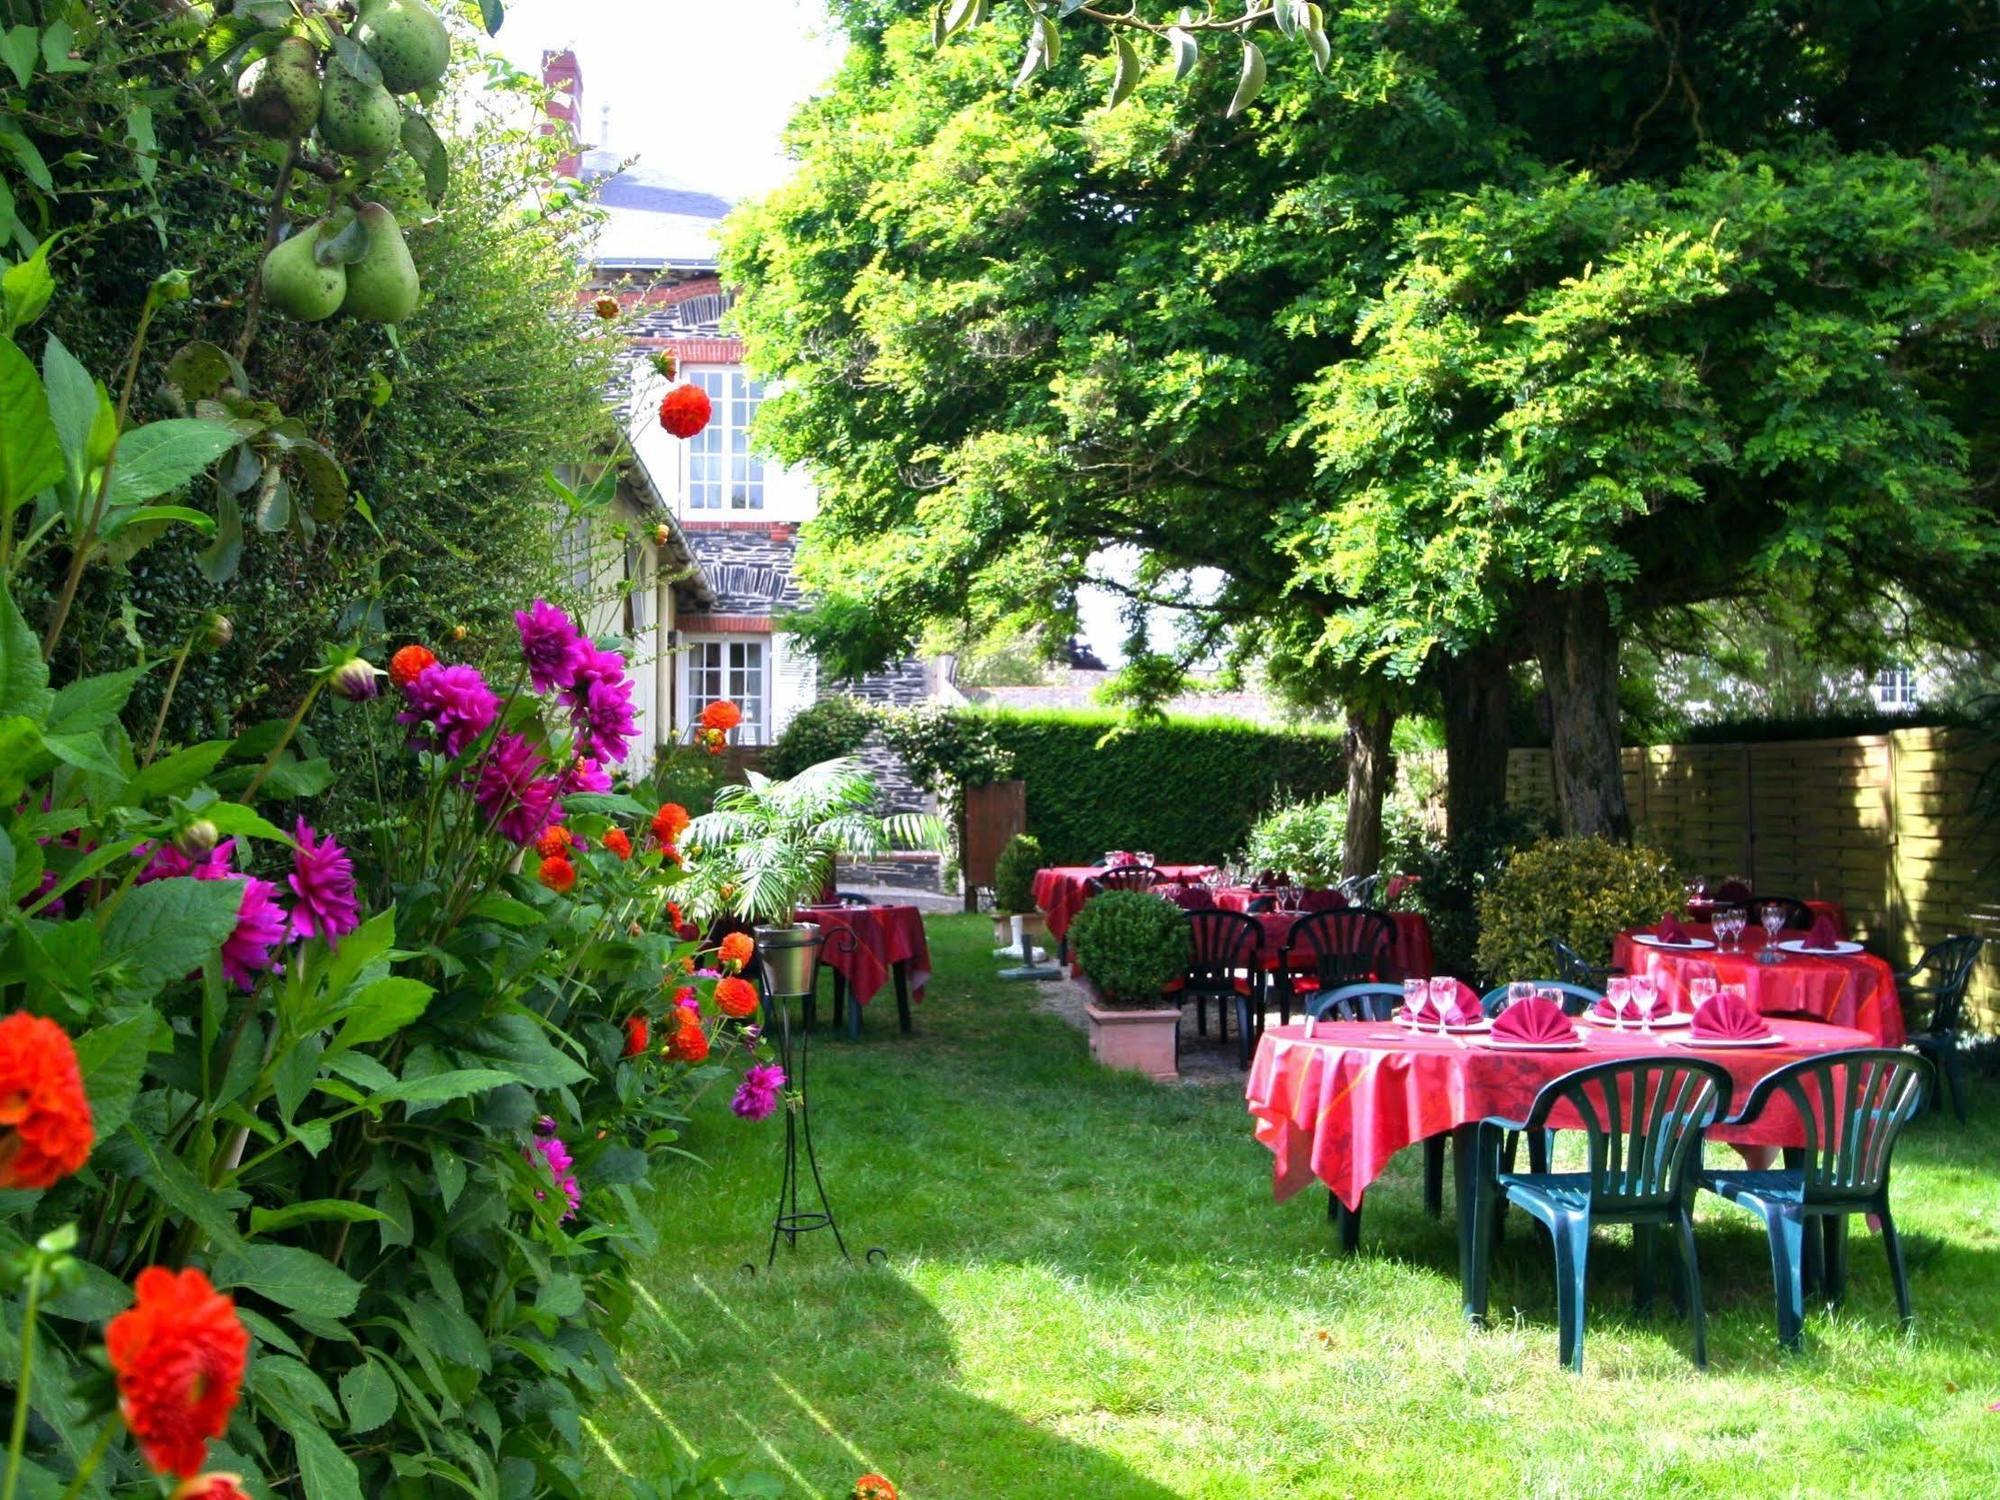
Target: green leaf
<point>24,676</point>
<point>354,59</point>
<point>157,518</point>
<point>163,456</point>
<point>91,703</point>
<point>369,1396</point>
<point>381,1010</point>
<point>199,369</point>
<point>442,1088</point>
<point>219,560</point>
<point>166,929</point>
<point>292,1278</point>
<point>84,751</point>
<point>31,457</point>
<point>233,818</point>
<point>315,1211</point>
<point>72,403</point>
<point>618,1164</point>
<point>1316,42</point>
<point>1126,77</point>
<point>326,1472</point>
<point>495,907</point>
<point>449,1168</point>
<point>18,48</point>
<point>344,247</point>
<point>1251,84</point>
<point>426,149</point>
<point>113,1060</point>
<point>279,1377</point>
<point>213,1211</point>
<point>291,777</point>
<point>174,775</point>
<point>25,288</point>
<point>561,1296</point>
<point>492,12</point>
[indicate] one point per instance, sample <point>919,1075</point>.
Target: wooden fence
<point>1882,824</point>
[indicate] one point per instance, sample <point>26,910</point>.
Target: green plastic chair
<point>1950,965</point>
<point>1853,1107</point>
<point>1576,969</point>
<point>1644,1118</point>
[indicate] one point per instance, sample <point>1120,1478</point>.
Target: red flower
<point>722,715</point>
<point>554,842</point>
<point>674,917</point>
<point>638,1034</point>
<point>736,949</point>
<point>669,821</point>
<point>618,843</point>
<point>607,308</point>
<point>45,1128</point>
<point>685,410</point>
<point>872,1487</point>
<point>690,1043</point>
<point>410,663</point>
<point>558,874</point>
<point>211,1487</point>
<point>735,997</point>
<point>178,1353</point>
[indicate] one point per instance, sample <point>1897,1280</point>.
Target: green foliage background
<point>1584,891</point>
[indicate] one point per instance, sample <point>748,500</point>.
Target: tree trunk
<point>1578,649</point>
<point>1368,771</point>
<point>1475,688</point>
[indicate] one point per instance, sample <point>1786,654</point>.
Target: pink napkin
<point>1822,938</point>
<point>1421,1010</point>
<point>1670,930</point>
<point>1537,1019</point>
<point>1466,1010</point>
<point>1729,1018</point>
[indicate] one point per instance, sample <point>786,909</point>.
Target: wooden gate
<point>993,815</point>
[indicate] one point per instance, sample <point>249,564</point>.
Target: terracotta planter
<point>1143,1041</point>
<point>1003,929</point>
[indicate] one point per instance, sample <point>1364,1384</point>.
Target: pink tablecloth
<point>884,936</point>
<point>1338,1107</point>
<point>1409,954</point>
<point>1061,890</point>
<point>1701,911</point>
<point>1859,991</point>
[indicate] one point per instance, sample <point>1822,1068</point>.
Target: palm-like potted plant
<point>769,846</point>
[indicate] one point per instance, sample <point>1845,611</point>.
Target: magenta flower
<point>757,1095</point>
<point>586,775</point>
<point>555,1156</point>
<point>260,928</point>
<point>600,701</point>
<point>550,645</point>
<point>511,796</point>
<point>322,880</point>
<point>456,701</point>
<point>164,861</point>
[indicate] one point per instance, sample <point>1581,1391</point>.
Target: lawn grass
<point>1089,1295</point>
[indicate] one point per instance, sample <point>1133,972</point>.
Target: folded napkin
<point>1670,930</point>
<point>1629,1007</point>
<point>1189,897</point>
<point>1421,1010</point>
<point>1537,1019</point>
<point>1729,1018</point>
<point>1823,937</point>
<point>1466,1010</point>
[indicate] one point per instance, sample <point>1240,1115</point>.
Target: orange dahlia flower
<point>618,843</point>
<point>721,715</point>
<point>685,410</point>
<point>607,308</point>
<point>178,1354</point>
<point>735,998</point>
<point>737,949</point>
<point>558,874</point>
<point>638,1035</point>
<point>45,1128</point>
<point>689,1044</point>
<point>669,822</point>
<point>410,663</point>
<point>554,843</point>
<point>873,1487</point>
<point>211,1487</point>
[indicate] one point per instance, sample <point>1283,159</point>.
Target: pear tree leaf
<point>163,456</point>
<point>1126,76</point>
<point>31,456</point>
<point>1251,84</point>
<point>426,149</point>
<point>354,59</point>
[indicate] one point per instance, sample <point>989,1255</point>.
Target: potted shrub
<point>1014,912</point>
<point>768,848</point>
<point>1131,945</point>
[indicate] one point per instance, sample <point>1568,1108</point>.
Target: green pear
<point>382,285</point>
<point>297,284</point>
<point>278,94</point>
<point>407,41</point>
<point>358,119</point>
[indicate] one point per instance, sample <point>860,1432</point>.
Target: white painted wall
<point>789,494</point>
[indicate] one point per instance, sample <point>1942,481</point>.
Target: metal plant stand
<point>1027,968</point>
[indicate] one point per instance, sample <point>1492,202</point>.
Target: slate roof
<point>653,221</point>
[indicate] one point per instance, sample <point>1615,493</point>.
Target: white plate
<point>1692,945</point>
<point>1773,1040</point>
<point>1838,950</point>
<point>1659,1023</point>
<point>1429,1028</point>
<point>1501,1044</point>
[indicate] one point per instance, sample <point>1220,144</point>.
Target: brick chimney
<point>564,76</point>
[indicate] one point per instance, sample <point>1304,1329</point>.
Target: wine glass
<point>1701,990</point>
<point>1772,915</point>
<point>1646,992</point>
<point>1415,992</point>
<point>1519,990</point>
<point>1444,997</point>
<point>1729,922</point>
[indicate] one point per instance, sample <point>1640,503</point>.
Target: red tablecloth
<point>1701,911</point>
<point>884,936</point>
<point>1061,890</point>
<point>1409,953</point>
<point>1336,1108</point>
<point>1859,991</point>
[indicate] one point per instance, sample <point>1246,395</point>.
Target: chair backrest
<point>1572,965</point>
<point>1344,946</point>
<point>1643,1117</point>
<point>1852,1105</point>
<point>1128,878</point>
<point>1952,962</point>
<point>1730,893</point>
<point>1797,914</point>
<point>1357,1002</point>
<point>1222,945</point>
<point>1576,998</point>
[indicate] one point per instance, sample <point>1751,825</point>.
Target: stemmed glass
<point>1772,915</point>
<point>1646,992</point>
<point>1701,990</point>
<point>1415,992</point>
<point>1519,990</point>
<point>1444,997</point>
<point>1729,924</point>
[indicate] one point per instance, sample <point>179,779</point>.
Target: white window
<point>723,474</point>
<point>734,667</point>
<point>1896,687</point>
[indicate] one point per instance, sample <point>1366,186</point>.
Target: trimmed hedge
<point>1186,789</point>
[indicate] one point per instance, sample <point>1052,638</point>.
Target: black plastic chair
<point>1126,878</point>
<point>1222,965</point>
<point>1576,969</point>
<point>1798,916</point>
<point>1950,963</point>
<point>1644,1118</point>
<point>1853,1107</point>
<point>1359,890</point>
<point>851,898</point>
<point>1355,1002</point>
<point>1343,947</point>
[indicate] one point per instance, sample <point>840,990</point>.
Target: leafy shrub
<point>944,750</point>
<point>1302,840</point>
<point>1132,944</point>
<point>826,730</point>
<point>1451,875</point>
<point>1014,873</point>
<point>1582,890</point>
<point>1184,788</point>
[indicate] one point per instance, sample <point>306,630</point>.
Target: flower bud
<point>217,632</point>
<point>457,632</point>
<point>662,534</point>
<point>355,680</point>
<point>197,837</point>
<point>607,308</point>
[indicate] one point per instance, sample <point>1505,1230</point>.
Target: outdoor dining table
<point>1701,908</point>
<point>1061,890</point>
<point>867,947</point>
<point>1857,990</point>
<point>1410,955</point>
<point>1336,1107</point>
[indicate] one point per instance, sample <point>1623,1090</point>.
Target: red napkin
<point>1421,1010</point>
<point>1670,930</point>
<point>1466,1010</point>
<point>1729,1018</point>
<point>1822,938</point>
<point>1322,901</point>
<point>1534,1020</point>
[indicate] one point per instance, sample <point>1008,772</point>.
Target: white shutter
<point>794,682</point>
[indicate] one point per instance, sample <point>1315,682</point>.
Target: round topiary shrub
<point>1582,890</point>
<point>1014,873</point>
<point>1132,944</point>
<point>825,730</point>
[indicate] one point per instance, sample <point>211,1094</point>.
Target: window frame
<point>756,726</point>
<point>729,387</point>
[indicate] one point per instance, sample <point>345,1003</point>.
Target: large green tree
<point>1518,322</point>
